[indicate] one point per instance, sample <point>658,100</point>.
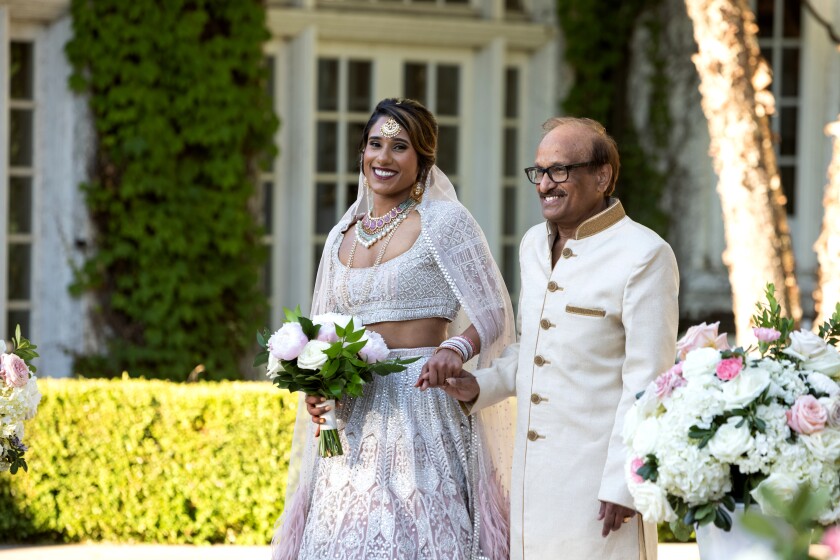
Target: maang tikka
<point>390,128</point>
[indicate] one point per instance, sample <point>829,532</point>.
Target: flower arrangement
<point>724,424</point>
<point>326,356</point>
<point>19,398</point>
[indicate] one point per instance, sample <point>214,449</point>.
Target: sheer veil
<point>461,251</point>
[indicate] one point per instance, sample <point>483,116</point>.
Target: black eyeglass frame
<point>552,169</point>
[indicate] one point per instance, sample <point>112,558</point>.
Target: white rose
<point>783,485</point>
<point>312,356</point>
<point>33,398</point>
<point>823,384</point>
<point>824,445</point>
<point>700,363</point>
<point>804,344</point>
<point>647,434</point>
<point>273,367</point>
<point>731,442</point>
<point>652,503</point>
<point>827,362</point>
<point>745,388</point>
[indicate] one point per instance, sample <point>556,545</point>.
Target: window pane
<point>509,211</point>
<point>416,77</point>
<point>447,158</point>
<point>327,84</point>
<point>20,271</point>
<point>20,138</point>
<point>268,62</point>
<point>513,5</point>
<point>325,207</point>
<point>447,90</point>
<point>790,72</point>
<point>352,194</point>
<point>267,203</point>
<point>21,72</point>
<point>764,17</point>
<point>20,204</point>
<point>509,157</point>
<point>354,137</point>
<point>792,20</point>
<point>457,2</point>
<point>512,93</point>
<point>18,317</point>
<point>327,132</point>
<point>787,129</point>
<point>788,176</point>
<point>509,266</point>
<point>767,55</point>
<point>358,86</point>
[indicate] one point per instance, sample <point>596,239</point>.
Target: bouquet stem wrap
<point>329,443</point>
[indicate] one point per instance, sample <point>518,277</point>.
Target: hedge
<point>151,462</point>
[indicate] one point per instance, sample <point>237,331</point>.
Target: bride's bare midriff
<point>412,334</point>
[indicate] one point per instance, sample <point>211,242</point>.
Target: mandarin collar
<point>596,224</point>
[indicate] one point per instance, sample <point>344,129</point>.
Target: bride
<point>418,479</point>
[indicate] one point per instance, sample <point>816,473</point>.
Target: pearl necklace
<point>369,229</point>
<point>366,287</point>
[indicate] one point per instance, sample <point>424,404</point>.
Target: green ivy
<point>598,51</point>
<point>177,91</point>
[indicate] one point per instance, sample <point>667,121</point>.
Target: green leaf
<point>260,359</point>
<point>681,531</point>
<point>352,349</point>
<point>354,336</point>
<point>291,316</point>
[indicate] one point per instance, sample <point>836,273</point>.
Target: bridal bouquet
<point>326,356</point>
<point>19,398</point>
<point>722,424</point>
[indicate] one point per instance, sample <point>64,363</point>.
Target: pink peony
<point>375,350</point>
<point>14,370</point>
<point>670,380</point>
<point>635,465</point>
<point>766,334</point>
<point>327,333</point>
<point>701,336</point>
<point>831,539</point>
<point>729,368</point>
<point>288,342</point>
<point>807,415</point>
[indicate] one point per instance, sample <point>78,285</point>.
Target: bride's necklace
<point>345,293</point>
<point>371,229</point>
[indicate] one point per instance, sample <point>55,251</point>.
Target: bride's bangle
<point>461,345</point>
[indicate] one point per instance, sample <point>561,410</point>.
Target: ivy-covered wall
<point>598,47</point>
<point>181,113</point>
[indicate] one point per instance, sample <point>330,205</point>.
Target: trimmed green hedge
<point>151,461</point>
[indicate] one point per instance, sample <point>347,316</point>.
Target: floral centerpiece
<point>328,356</point>
<point>19,398</point>
<point>723,424</point>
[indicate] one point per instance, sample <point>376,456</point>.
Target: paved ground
<point>154,552</point>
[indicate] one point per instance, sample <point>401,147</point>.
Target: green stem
<point>329,444</point>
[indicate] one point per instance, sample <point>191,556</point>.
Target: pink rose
<point>635,465</point>
<point>667,382</point>
<point>288,342</point>
<point>765,334</point>
<point>14,370</point>
<point>807,415</point>
<point>729,368</point>
<point>831,539</point>
<point>701,336</point>
<point>375,350</point>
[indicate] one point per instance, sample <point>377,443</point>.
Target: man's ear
<point>603,175</point>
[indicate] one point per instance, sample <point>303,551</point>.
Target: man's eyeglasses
<point>557,173</point>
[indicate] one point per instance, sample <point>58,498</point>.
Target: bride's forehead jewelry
<point>390,128</point>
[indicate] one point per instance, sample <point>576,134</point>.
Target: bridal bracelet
<point>461,345</point>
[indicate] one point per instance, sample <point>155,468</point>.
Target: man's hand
<point>444,364</point>
<point>463,388</point>
<point>315,409</point>
<point>614,516</point>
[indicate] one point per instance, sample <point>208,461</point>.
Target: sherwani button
<point>533,435</point>
<point>536,399</point>
<point>567,253</point>
<point>546,324</point>
<point>539,360</point>
<point>552,286</point>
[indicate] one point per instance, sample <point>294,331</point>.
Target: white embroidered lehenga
<point>418,478</point>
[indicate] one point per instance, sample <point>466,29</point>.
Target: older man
<point>598,314</point>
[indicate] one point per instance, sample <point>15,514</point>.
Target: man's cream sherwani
<point>595,330</point>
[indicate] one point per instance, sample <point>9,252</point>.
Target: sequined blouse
<point>409,286</point>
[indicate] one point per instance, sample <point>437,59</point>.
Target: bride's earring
<point>368,197</point>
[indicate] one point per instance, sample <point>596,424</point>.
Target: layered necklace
<point>371,229</point>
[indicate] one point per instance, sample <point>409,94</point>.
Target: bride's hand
<point>314,408</point>
<point>445,363</point>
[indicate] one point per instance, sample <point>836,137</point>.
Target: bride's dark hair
<point>418,122</point>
